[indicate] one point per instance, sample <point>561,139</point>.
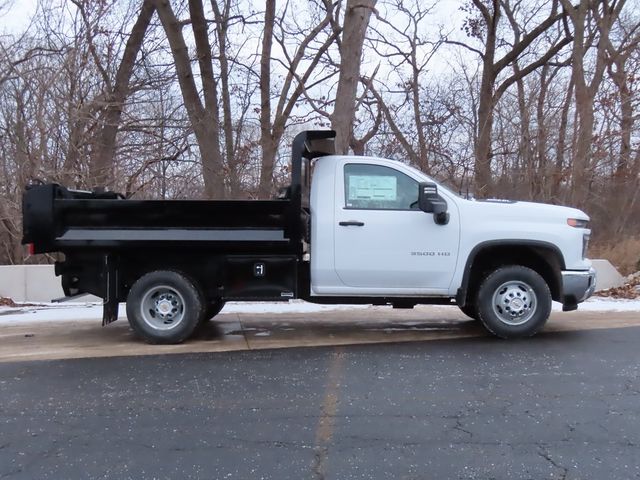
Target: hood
<point>530,210</point>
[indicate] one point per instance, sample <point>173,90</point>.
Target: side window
<point>378,188</point>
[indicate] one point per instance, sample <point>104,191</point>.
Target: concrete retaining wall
<point>608,276</point>
<point>38,283</point>
<point>32,283</point>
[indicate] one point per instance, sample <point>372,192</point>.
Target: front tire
<point>513,302</point>
<point>164,307</point>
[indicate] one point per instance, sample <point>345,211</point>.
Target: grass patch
<point>623,254</point>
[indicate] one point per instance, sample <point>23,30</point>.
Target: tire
<point>513,302</point>
<point>470,310</point>
<point>212,310</point>
<point>164,307</point>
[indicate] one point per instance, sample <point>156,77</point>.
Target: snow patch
<point>55,312</point>
<point>601,304</point>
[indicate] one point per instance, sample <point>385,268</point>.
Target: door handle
<point>351,223</point>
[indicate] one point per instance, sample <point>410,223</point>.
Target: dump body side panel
<point>232,249</point>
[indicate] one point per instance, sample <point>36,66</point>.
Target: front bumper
<point>577,286</point>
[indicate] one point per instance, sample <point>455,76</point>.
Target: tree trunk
<point>266,138</point>
<point>524,148</point>
<point>356,21</point>
<point>209,145</point>
<point>482,167</point>
<point>623,180</point>
<point>423,151</point>
<point>542,185</point>
<point>208,125</point>
<point>204,118</point>
<point>582,155</point>
<point>584,107</point>
<point>482,180</point>
<point>586,91</point>
<point>269,151</point>
<point>558,171</point>
<point>101,166</point>
<point>222,24</point>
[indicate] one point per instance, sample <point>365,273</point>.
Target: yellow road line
<point>326,423</point>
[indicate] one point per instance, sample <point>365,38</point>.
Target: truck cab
<point>369,236</point>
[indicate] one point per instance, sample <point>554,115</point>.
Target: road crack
<point>459,426</point>
<point>542,452</point>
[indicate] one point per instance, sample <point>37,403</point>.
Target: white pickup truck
<point>359,230</point>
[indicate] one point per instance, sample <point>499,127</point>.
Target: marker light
<point>577,223</point>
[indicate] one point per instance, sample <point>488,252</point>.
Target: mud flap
<point>110,305</point>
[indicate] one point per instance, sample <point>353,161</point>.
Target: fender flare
<point>461,294</point>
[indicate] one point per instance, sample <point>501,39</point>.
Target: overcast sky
<point>15,14</point>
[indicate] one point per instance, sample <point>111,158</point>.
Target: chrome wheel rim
<point>162,308</point>
<point>514,303</point>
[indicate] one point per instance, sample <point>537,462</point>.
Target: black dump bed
<point>59,219</point>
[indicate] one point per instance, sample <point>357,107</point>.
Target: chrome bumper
<point>577,286</point>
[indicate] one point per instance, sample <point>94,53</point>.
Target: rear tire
<point>513,302</point>
<point>164,307</point>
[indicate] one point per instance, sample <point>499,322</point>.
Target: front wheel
<point>164,307</point>
<point>513,301</point>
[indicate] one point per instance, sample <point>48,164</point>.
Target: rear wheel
<point>513,301</point>
<point>164,307</point>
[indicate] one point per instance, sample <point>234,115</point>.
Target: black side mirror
<point>430,202</point>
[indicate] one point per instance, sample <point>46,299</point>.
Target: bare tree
<point>203,100</point>
<point>627,172</point>
<point>590,20</point>
<point>400,39</point>
<point>486,28</point>
<point>204,116</point>
<point>558,175</point>
<point>300,65</point>
<point>356,20</point>
<point>116,91</point>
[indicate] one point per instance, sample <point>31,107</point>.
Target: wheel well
<point>202,269</point>
<point>544,260</point>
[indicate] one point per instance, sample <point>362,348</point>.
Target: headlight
<point>577,223</point>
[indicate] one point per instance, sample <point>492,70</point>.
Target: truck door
<point>382,240</point>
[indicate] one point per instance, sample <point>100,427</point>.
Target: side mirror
<point>430,202</point>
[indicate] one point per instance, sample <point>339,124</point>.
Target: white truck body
<point>403,252</point>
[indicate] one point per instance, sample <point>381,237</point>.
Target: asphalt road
<point>559,405</point>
